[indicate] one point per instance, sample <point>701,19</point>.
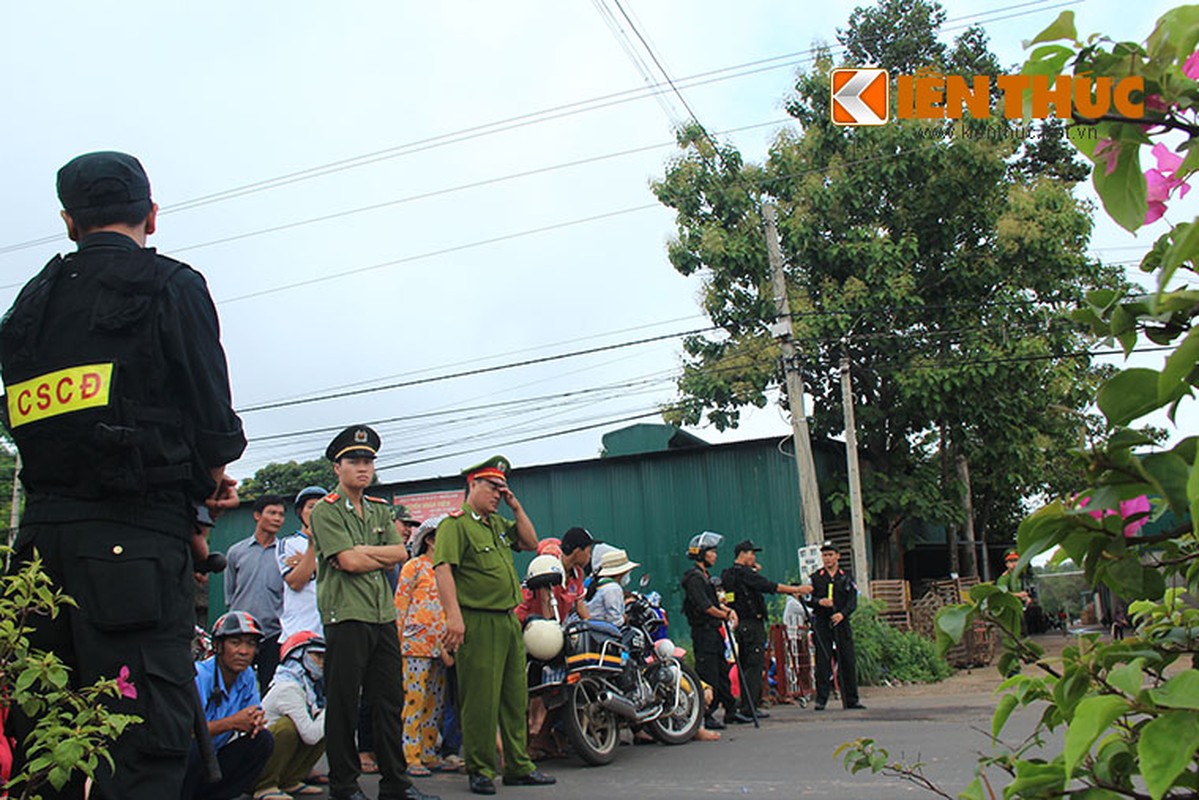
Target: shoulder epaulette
<point>375,499</point>
<point>456,513</point>
<point>332,497</point>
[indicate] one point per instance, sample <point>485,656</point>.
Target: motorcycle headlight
<point>664,648</point>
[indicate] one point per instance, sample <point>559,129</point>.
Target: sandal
<point>317,779</point>
<point>303,789</point>
<point>273,793</point>
<point>419,771</point>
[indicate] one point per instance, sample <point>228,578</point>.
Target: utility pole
<point>857,523</point>
<point>809,491</point>
<point>963,467</point>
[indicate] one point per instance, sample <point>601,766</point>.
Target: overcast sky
<point>381,192</point>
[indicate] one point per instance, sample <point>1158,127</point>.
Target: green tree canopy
<point>287,479</point>
<point>942,259</point>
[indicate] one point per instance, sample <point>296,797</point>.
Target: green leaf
<point>1128,678</point>
<point>1181,691</point>
<point>1071,689</point>
<point>1123,192</point>
<point>1132,580</point>
<point>951,624</point>
<point>974,791</point>
<point>1060,28</point>
<point>1179,364</point>
<point>1003,710</point>
<point>1183,248</point>
<point>1092,717</point>
<point>1167,747</point>
<point>1169,474</point>
<point>1033,779</point>
<point>1128,395</point>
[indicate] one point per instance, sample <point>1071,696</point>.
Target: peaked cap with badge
<point>495,468</point>
<point>356,441</point>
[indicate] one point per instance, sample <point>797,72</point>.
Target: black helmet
<point>236,623</point>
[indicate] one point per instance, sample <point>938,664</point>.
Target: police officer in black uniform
<point>835,597</point>
<point>117,396</point>
<point>706,615</point>
<point>744,587</point>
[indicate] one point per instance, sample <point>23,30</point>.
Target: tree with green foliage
<point>287,479</point>
<point>1119,719</point>
<point>940,258</point>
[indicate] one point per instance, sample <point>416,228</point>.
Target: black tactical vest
<point>88,400</point>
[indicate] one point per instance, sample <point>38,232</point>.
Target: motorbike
<point>606,678</point>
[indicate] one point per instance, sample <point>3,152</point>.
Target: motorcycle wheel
<point>678,725</point>
<point>593,730</point>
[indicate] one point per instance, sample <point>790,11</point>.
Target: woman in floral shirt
<point>421,624</point>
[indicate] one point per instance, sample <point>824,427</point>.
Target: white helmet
<point>543,638</point>
<point>545,570</point>
<point>708,540</point>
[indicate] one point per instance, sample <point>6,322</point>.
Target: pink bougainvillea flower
<point>124,685</point>
<point>1154,104</point>
<point>1107,151</point>
<point>1136,507</point>
<point>1162,181</point>
<point>1190,67</point>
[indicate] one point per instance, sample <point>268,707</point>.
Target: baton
<point>753,712</point>
<point>212,767</point>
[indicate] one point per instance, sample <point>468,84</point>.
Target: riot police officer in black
<point>744,589</point>
<point>117,396</point>
<point>835,597</point>
<point>707,615</point>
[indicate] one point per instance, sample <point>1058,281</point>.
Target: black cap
<point>402,514</point>
<point>829,547</point>
<point>745,547</point>
<point>95,180</point>
<point>355,441</point>
<point>576,539</point>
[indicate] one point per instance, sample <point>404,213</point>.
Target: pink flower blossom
<point>1190,67</point>
<point>1136,507</point>
<point>1107,151</point>
<point>1161,182</point>
<point>1155,104</point>
<point>124,685</point>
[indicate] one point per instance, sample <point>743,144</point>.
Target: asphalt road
<point>791,755</point>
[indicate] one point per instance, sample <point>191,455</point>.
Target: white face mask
<point>624,579</point>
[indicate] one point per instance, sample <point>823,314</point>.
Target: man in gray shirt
<point>253,582</point>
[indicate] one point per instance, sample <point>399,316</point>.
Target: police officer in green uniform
<point>479,589</point>
<point>836,598</point>
<point>744,587</point>
<point>118,400</point>
<point>356,544</point>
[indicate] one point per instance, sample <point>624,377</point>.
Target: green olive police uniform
<point>493,689</point>
<point>358,612</point>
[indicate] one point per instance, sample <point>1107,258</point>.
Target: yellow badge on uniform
<point>61,392</point>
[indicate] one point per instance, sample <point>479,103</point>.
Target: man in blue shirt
<point>233,708</point>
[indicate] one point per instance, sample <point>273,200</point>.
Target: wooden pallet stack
<point>977,648</point>
<point>896,597</point>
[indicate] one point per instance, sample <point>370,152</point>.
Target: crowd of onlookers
<point>263,687</point>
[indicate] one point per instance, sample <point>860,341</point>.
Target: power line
<point>536,117</point>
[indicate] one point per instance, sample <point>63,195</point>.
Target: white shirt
<point>299,607</point>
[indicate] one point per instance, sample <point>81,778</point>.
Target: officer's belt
<point>488,610</point>
<point>169,520</point>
